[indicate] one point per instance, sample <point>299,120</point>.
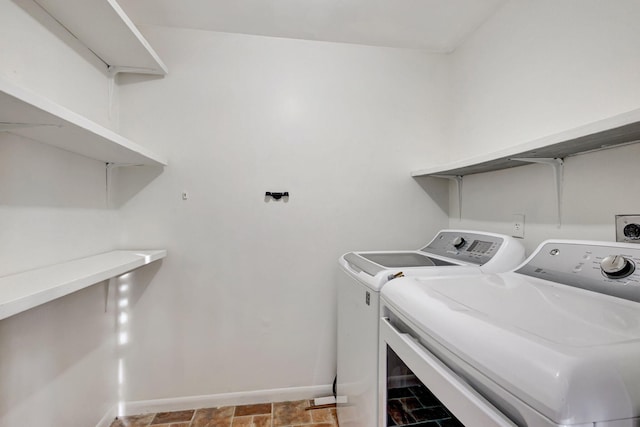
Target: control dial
<point>458,242</point>
<point>617,267</point>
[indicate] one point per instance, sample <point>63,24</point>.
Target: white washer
<point>451,252</point>
<point>555,342</point>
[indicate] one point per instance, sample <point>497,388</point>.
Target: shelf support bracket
<point>109,183</point>
<point>115,69</point>
<point>458,180</point>
<point>557,165</point>
<point>111,93</point>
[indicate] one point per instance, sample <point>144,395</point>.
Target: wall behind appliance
<point>57,361</point>
<point>534,69</point>
<point>246,299</point>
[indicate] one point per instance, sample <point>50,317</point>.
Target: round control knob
<point>458,242</point>
<point>616,267</point>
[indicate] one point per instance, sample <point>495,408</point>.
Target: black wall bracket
<point>276,196</point>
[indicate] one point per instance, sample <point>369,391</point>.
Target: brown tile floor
<point>280,414</point>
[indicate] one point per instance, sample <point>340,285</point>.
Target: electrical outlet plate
<point>517,227</point>
<point>628,228</point>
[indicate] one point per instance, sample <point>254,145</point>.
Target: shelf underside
<point>32,116</point>
<point>23,291</point>
<point>107,31</point>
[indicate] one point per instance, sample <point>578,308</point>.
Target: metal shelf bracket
<point>557,165</point>
<point>458,180</point>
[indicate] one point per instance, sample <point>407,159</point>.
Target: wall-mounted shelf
<point>23,291</point>
<point>614,131</point>
<point>107,31</point>
<point>33,116</point>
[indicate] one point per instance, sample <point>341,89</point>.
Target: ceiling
<point>433,25</point>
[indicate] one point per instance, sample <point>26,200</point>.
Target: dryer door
<point>416,387</point>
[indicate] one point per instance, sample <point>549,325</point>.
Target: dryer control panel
<point>474,248</point>
<point>604,267</point>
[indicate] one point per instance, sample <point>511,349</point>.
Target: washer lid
<point>403,259</point>
<point>570,354</point>
<point>374,262</point>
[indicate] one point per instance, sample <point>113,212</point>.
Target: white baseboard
<point>223,399</point>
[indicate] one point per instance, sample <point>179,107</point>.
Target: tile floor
<point>279,414</point>
<point>417,406</point>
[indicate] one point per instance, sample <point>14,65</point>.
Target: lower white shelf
<point>20,292</point>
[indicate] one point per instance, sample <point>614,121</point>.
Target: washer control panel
<point>475,248</point>
<point>608,268</point>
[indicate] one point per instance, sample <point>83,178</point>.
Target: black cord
<point>335,382</point>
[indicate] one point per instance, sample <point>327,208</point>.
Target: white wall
<point>537,68</point>
<point>246,298</point>
<point>39,55</point>
<point>596,188</point>
<point>52,202</point>
<point>57,362</point>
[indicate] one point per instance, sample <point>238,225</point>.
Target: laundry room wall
<point>534,69</point>
<point>57,361</point>
<point>245,300</point>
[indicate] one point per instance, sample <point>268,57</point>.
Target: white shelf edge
<point>23,291</point>
<point>521,150</point>
<point>161,68</point>
<point>105,29</point>
<point>53,118</point>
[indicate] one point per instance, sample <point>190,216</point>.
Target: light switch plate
<point>628,228</point>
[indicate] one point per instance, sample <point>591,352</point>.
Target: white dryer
<point>554,343</point>
<point>450,253</point>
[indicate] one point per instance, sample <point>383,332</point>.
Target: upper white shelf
<point>20,292</point>
<point>107,31</point>
<point>33,116</point>
<point>613,131</point>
